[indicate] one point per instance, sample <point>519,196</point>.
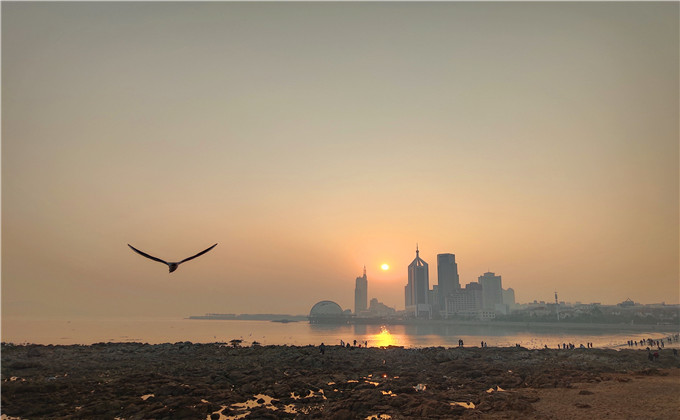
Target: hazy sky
<point>535,140</point>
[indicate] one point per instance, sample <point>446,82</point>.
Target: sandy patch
<point>623,396</point>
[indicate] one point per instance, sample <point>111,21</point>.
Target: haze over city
<point>538,141</point>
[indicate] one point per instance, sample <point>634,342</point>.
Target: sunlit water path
<point>154,331</point>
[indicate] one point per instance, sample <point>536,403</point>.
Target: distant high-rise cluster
<point>482,299</point>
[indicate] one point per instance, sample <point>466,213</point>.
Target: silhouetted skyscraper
<point>361,294</point>
<point>447,277</point>
<point>492,291</point>
<point>418,282</point>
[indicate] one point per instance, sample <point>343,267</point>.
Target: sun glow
<point>385,267</point>
<point>384,339</point>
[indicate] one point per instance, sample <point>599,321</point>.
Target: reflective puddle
<point>243,409</point>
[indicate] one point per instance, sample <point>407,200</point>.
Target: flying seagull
<point>172,265</point>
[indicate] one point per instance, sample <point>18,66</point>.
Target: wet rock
<point>457,410</point>
<point>343,414</point>
<point>399,401</point>
<point>108,379</point>
<point>261,413</point>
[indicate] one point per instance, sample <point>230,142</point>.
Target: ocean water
<point>171,330</point>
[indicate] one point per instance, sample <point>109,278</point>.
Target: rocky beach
<point>219,381</point>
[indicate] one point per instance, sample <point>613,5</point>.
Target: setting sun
<point>385,266</point>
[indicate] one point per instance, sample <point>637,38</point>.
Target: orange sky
<point>535,140</point>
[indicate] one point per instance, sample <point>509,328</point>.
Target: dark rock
<point>343,414</point>
<point>108,379</point>
<point>261,413</point>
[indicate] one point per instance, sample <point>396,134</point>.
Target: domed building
<point>327,312</point>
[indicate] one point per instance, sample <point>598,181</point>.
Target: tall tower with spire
<point>361,294</point>
<point>418,283</point>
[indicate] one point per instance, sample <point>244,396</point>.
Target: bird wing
<point>147,255</point>
<point>197,255</point>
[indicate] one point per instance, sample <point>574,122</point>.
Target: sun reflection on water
<point>384,338</point>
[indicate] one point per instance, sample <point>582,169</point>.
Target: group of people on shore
<point>654,343</point>
<point>649,342</point>
<point>322,346</point>
<point>571,346</point>
<point>349,345</point>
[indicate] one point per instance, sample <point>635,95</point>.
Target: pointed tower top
<point>418,261</point>
<point>364,270</point>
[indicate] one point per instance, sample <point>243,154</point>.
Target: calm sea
<point>155,331</point>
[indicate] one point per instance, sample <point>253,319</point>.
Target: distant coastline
<point>522,325</point>
<point>252,317</point>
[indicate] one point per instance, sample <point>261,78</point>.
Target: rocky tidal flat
<point>218,381</point>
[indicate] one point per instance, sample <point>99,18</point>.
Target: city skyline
<point>490,292</point>
<point>537,140</point>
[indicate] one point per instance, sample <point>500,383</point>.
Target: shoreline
<point>185,380</point>
<point>523,325</point>
<point>417,334</point>
<point>562,325</point>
